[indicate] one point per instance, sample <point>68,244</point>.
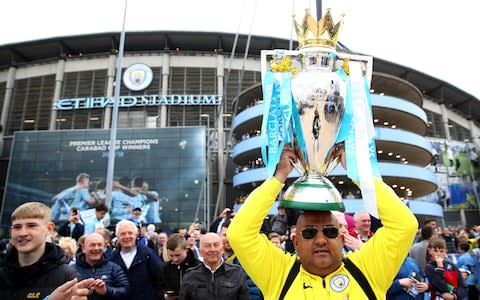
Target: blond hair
<point>70,243</point>
<point>32,210</point>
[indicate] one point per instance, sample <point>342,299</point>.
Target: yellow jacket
<point>379,259</point>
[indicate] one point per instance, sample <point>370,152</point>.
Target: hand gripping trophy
<point>317,100</point>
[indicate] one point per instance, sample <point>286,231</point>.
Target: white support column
<point>220,135</point>
<point>56,93</point>
<point>112,59</point>
<point>474,133</point>
<point>445,120</point>
<point>6,103</point>
<point>165,75</point>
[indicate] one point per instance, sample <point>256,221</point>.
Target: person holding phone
<point>409,283</point>
<point>171,274</point>
<point>73,228</point>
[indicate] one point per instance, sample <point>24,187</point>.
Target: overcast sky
<point>437,37</point>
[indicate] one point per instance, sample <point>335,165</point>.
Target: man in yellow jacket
<point>322,272</point>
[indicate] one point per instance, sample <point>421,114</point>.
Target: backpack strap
<point>290,278</point>
<point>360,278</point>
<point>349,265</point>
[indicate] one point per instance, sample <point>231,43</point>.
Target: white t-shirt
<point>128,256</point>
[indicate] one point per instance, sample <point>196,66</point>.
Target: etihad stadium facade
<point>67,83</point>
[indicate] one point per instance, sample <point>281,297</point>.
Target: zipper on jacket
<point>323,283</point>
<point>181,275</point>
<point>212,285</point>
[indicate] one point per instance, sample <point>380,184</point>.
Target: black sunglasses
<point>309,233</point>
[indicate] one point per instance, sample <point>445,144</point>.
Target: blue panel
<point>402,136</point>
<point>247,114</point>
<point>352,206</point>
<point>249,176</point>
<point>425,208</point>
<point>256,175</point>
<point>386,169</point>
<point>397,170</point>
<point>398,104</point>
<point>383,134</point>
<point>246,145</point>
<point>417,207</point>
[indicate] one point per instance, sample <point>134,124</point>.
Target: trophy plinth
<point>313,192</point>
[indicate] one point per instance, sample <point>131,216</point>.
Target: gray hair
<point>126,222</point>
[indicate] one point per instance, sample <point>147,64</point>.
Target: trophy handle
<point>334,157</point>
<point>298,166</point>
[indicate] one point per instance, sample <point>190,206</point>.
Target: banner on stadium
<point>165,168</point>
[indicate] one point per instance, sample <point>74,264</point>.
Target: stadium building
<point>199,80</point>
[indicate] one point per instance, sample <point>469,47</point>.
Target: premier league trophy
<point>314,99</point>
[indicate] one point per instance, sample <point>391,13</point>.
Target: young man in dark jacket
<point>110,280</point>
<point>214,278</point>
<point>171,274</point>
<point>33,268</point>
<point>140,263</point>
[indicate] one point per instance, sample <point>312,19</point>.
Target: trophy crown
<point>311,33</point>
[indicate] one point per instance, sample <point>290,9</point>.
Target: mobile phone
<point>415,276</point>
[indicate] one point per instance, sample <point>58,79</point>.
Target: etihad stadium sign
<point>132,101</point>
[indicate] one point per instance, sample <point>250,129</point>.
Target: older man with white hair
<point>363,226</point>
<point>214,278</point>
<point>139,262</point>
<point>351,243</point>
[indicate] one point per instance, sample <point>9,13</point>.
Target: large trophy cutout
<point>311,98</point>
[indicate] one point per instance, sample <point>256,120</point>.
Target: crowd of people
<point>243,255</point>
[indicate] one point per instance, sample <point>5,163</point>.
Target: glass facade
<point>79,85</point>
<point>436,128</point>
<point>31,104</point>
<point>435,125</point>
<point>3,88</point>
<point>457,132</point>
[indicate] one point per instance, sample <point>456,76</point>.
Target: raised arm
<point>258,256</point>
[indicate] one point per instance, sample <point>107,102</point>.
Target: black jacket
<point>143,272</point>
<point>226,283</point>
<point>35,281</point>
<point>78,230</point>
<point>112,274</point>
<point>171,276</point>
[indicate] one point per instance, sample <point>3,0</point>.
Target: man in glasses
<point>321,272</point>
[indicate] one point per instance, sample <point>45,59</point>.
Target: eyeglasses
<point>309,233</point>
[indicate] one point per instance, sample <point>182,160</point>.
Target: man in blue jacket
<point>110,280</point>
<point>140,263</point>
